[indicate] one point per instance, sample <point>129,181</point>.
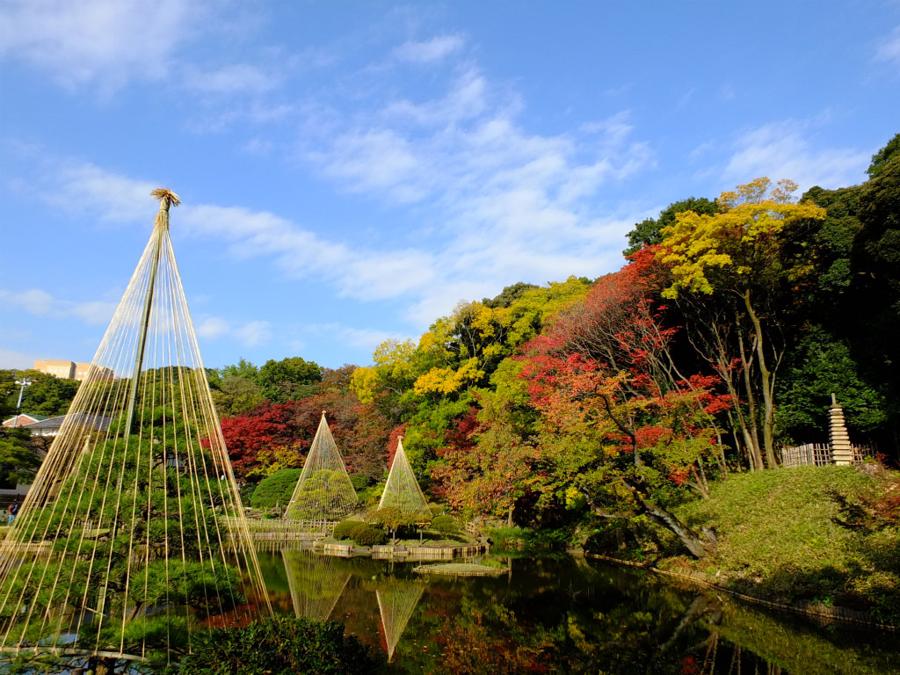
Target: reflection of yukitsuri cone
<point>324,492</point>
<point>402,491</point>
<point>132,536</point>
<point>396,604</point>
<point>316,583</point>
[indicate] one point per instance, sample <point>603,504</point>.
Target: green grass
<point>777,539</point>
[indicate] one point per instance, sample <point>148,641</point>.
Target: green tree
<point>237,395</point>
<point>876,276</point>
<point>47,395</point>
<point>821,365</point>
<point>288,379</point>
<point>18,459</point>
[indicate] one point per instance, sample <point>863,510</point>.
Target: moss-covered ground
<point>804,535</point>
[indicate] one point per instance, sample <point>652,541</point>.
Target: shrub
<point>369,535</point>
<point>445,525</point>
<point>346,529</point>
<point>360,532</point>
<point>278,645</point>
<point>398,521</point>
<point>275,490</point>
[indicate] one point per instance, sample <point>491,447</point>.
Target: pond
<point>558,614</point>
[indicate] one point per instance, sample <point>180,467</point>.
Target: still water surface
<point>559,615</point>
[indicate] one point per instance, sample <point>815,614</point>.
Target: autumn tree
<point>648,232</point>
<point>729,270</point>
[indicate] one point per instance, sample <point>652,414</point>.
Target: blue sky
<point>350,171</point>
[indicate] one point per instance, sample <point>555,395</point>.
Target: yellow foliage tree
<point>739,251</point>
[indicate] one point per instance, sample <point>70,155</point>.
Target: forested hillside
<point>720,340</point>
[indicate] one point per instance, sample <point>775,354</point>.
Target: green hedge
<point>275,490</point>
<point>445,524</point>
<point>360,532</point>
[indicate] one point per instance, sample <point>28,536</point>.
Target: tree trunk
<point>751,406</point>
<point>768,385</point>
<point>692,541</point>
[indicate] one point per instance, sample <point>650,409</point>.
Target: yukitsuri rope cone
<point>132,537</point>
<point>397,601</point>
<point>402,491</point>
<point>324,493</point>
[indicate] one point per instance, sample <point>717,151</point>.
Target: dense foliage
<point>280,645</point>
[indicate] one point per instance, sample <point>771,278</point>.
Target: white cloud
<point>254,333</point>
<point>497,203</point>
<point>361,338</point>
<point>41,303</point>
<point>212,327</point>
<point>250,334</point>
<point>238,78</point>
<point>104,42</point>
<point>429,51</point>
<point>784,150</point>
<point>889,49</point>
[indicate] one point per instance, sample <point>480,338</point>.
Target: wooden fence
<point>285,530</point>
<point>819,454</point>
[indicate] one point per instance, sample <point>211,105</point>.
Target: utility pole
<point>24,382</point>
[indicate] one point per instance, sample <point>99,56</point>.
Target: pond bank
<point>812,610</point>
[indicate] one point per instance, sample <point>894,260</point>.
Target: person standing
<point>13,510</point>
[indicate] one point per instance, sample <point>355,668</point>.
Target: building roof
<point>34,418</point>
<point>97,421</point>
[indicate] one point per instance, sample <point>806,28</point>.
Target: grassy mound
<point>795,535</point>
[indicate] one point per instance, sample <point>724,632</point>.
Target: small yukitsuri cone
<point>402,491</point>
<point>324,493</point>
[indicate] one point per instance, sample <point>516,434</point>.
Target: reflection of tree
<point>397,600</point>
<point>316,582</point>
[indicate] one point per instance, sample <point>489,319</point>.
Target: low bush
<point>360,532</point>
<point>278,645</point>
<point>445,525</point>
<point>275,490</point>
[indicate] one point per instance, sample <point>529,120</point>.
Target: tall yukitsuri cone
<point>324,492</point>
<point>402,491</point>
<point>132,537</point>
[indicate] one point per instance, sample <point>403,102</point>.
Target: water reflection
<point>557,615</point>
<point>315,583</point>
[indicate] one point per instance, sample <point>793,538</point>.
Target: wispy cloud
<point>249,334</point>
<point>889,49</point>
<point>500,204</point>
<point>102,42</point>
<point>429,51</point>
<point>362,338</point>
<point>784,150</point>
<point>237,78</point>
<point>254,333</point>
<point>41,303</point>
